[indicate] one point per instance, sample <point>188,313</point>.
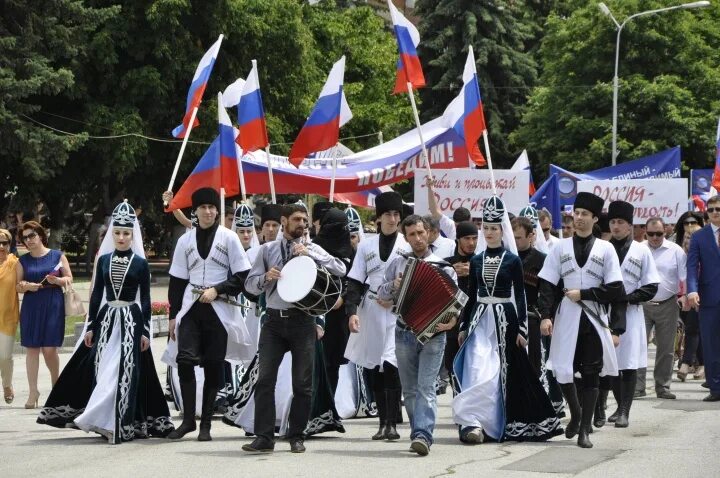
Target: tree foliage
<point>668,92</point>
<point>506,71</point>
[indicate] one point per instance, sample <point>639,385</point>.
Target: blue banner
<point>558,192</point>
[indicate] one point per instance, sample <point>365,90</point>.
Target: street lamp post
<point>604,8</point>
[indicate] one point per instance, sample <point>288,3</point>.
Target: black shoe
<point>705,385</point>
<point>391,432</point>
<point>187,391</point>
<point>296,445</point>
<point>713,397</point>
<point>208,408</point>
<point>570,393</point>
<point>381,433</point>
<point>259,445</point>
<point>589,399</point>
<point>600,419</point>
<point>666,395</point>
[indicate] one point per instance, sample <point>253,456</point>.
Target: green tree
<point>668,96</point>
<point>42,45</point>
<point>506,72</point>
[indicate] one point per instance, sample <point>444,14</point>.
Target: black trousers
<point>295,334</point>
<point>588,358</point>
<point>202,338</point>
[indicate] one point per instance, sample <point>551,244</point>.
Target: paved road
<point>666,439</point>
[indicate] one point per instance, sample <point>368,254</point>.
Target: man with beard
<point>371,322</point>
<point>467,238</point>
<point>418,364</point>
<point>287,328</point>
<point>209,263</point>
<point>582,342</point>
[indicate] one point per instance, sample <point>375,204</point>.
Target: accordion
<point>428,296</point>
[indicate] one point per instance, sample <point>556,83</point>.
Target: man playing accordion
<point>418,363</point>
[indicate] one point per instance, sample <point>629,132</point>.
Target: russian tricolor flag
<point>465,113</point>
<point>409,69</point>
<point>216,169</point>
<point>197,87</point>
<point>523,163</point>
<point>716,172</point>
<point>251,115</point>
<point>322,129</point>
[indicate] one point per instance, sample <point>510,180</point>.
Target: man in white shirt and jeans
<point>662,311</point>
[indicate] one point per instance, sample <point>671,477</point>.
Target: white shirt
<point>671,263</point>
<point>551,241</point>
<point>447,227</point>
<point>443,247</point>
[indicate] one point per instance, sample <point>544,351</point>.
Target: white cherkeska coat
<point>602,267</point>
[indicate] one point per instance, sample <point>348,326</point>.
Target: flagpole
<point>334,172</point>
<point>182,149</point>
<point>238,155</point>
<point>270,174</point>
<point>489,161</point>
<point>419,130</point>
<point>267,148</point>
<point>222,206</point>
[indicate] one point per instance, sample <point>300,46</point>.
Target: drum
<point>308,286</point>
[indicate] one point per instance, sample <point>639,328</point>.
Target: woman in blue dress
<point>500,397</point>
<point>41,275</point>
<point>110,385</point>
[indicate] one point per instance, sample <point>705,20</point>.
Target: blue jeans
<point>419,366</point>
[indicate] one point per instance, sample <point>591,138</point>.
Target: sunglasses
<point>690,222</point>
<point>713,209</point>
<point>4,243</point>
<point>655,234</point>
<point>32,235</point>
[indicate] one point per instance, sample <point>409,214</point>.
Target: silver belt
<point>493,300</point>
<point>120,303</point>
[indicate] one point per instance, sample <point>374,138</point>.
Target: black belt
<point>661,302</point>
<point>286,313</point>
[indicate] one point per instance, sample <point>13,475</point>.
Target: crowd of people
<point>546,324</point>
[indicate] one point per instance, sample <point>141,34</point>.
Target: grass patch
<point>70,322</point>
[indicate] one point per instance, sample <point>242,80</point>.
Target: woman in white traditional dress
<point>110,385</point>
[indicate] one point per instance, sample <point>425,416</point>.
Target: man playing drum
<point>372,341</point>
<point>287,329</point>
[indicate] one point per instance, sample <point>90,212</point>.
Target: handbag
<point>73,303</point>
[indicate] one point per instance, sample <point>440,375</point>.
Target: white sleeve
<point>650,272</point>
<point>358,271</point>
<point>551,267</point>
<point>179,266</point>
<point>447,227</point>
<point>611,266</point>
<point>682,266</point>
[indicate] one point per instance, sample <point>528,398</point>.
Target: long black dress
<point>112,388</point>
<point>499,390</point>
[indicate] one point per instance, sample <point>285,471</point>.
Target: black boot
<point>616,394</point>
<point>381,403</point>
<point>599,421</point>
<point>187,391</point>
<point>627,392</point>
<point>208,407</point>
<point>570,393</point>
<point>392,398</point>
<point>589,399</point>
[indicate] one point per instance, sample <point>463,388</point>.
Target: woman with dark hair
<point>41,275</point>
<point>334,237</point>
<point>692,357</point>
<point>110,385</point>
<point>688,222</point>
